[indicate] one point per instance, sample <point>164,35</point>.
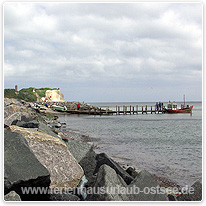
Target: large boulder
<point>21,167</point>
<point>45,129</point>
<point>12,196</point>
<point>11,113</point>
<point>53,153</point>
<point>26,119</point>
<point>104,159</point>
<point>86,157</point>
<point>29,124</point>
<point>78,149</point>
<point>91,162</point>
<point>109,186</point>
<point>197,195</point>
<point>63,197</point>
<point>26,122</point>
<point>194,194</point>
<point>144,188</point>
<point>14,109</point>
<point>88,163</point>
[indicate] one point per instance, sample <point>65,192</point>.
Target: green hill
<point>26,94</point>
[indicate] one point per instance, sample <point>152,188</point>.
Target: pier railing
<point>120,110</point>
<point>131,109</point>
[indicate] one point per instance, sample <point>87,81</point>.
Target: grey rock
<point>78,149</point>
<point>145,182</point>
<point>63,197</point>
<point>195,195</point>
<point>106,186</point>
<point>53,153</point>
<point>183,197</point>
<point>88,163</point>
<point>21,167</point>
<point>104,159</point>
<point>14,122</point>
<point>10,117</point>
<point>57,125</point>
<point>171,197</point>
<point>26,118</point>
<point>45,129</point>
<point>131,171</point>
<point>29,124</point>
<point>12,196</point>
<point>14,110</point>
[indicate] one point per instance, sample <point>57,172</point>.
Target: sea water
<point>168,145</point>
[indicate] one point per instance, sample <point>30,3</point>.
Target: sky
<point>105,52</point>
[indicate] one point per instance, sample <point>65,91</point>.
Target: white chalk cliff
<point>54,95</point>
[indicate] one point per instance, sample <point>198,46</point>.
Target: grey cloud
<point>85,44</point>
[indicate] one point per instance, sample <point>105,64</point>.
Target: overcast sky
<point>105,52</point>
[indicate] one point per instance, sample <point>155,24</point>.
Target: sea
<point>168,145</point>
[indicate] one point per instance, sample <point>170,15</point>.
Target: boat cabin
<point>172,106</point>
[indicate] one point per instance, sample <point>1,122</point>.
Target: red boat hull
<point>186,110</point>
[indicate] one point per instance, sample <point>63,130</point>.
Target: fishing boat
<point>59,108</point>
<point>172,108</point>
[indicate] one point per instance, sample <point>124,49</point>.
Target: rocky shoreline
<point>44,163</point>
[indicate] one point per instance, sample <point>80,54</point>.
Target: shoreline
<point>62,153</point>
<point>80,136</point>
<point>176,163</point>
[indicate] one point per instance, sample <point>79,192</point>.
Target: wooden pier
<point>120,110</point>
<point>105,110</point>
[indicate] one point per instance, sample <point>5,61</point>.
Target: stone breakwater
<point>71,106</point>
<point>44,163</point>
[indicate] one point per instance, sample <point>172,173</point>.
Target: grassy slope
<point>26,94</point>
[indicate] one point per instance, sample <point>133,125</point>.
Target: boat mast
<point>184,100</point>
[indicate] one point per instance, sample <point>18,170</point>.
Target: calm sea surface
<point>168,145</point>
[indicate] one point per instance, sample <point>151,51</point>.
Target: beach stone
<point>104,159</point>
<point>12,196</point>
<point>109,182</point>
<point>53,153</point>
<point>21,167</point>
<point>143,181</point>
<point>55,125</point>
<point>131,171</point>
